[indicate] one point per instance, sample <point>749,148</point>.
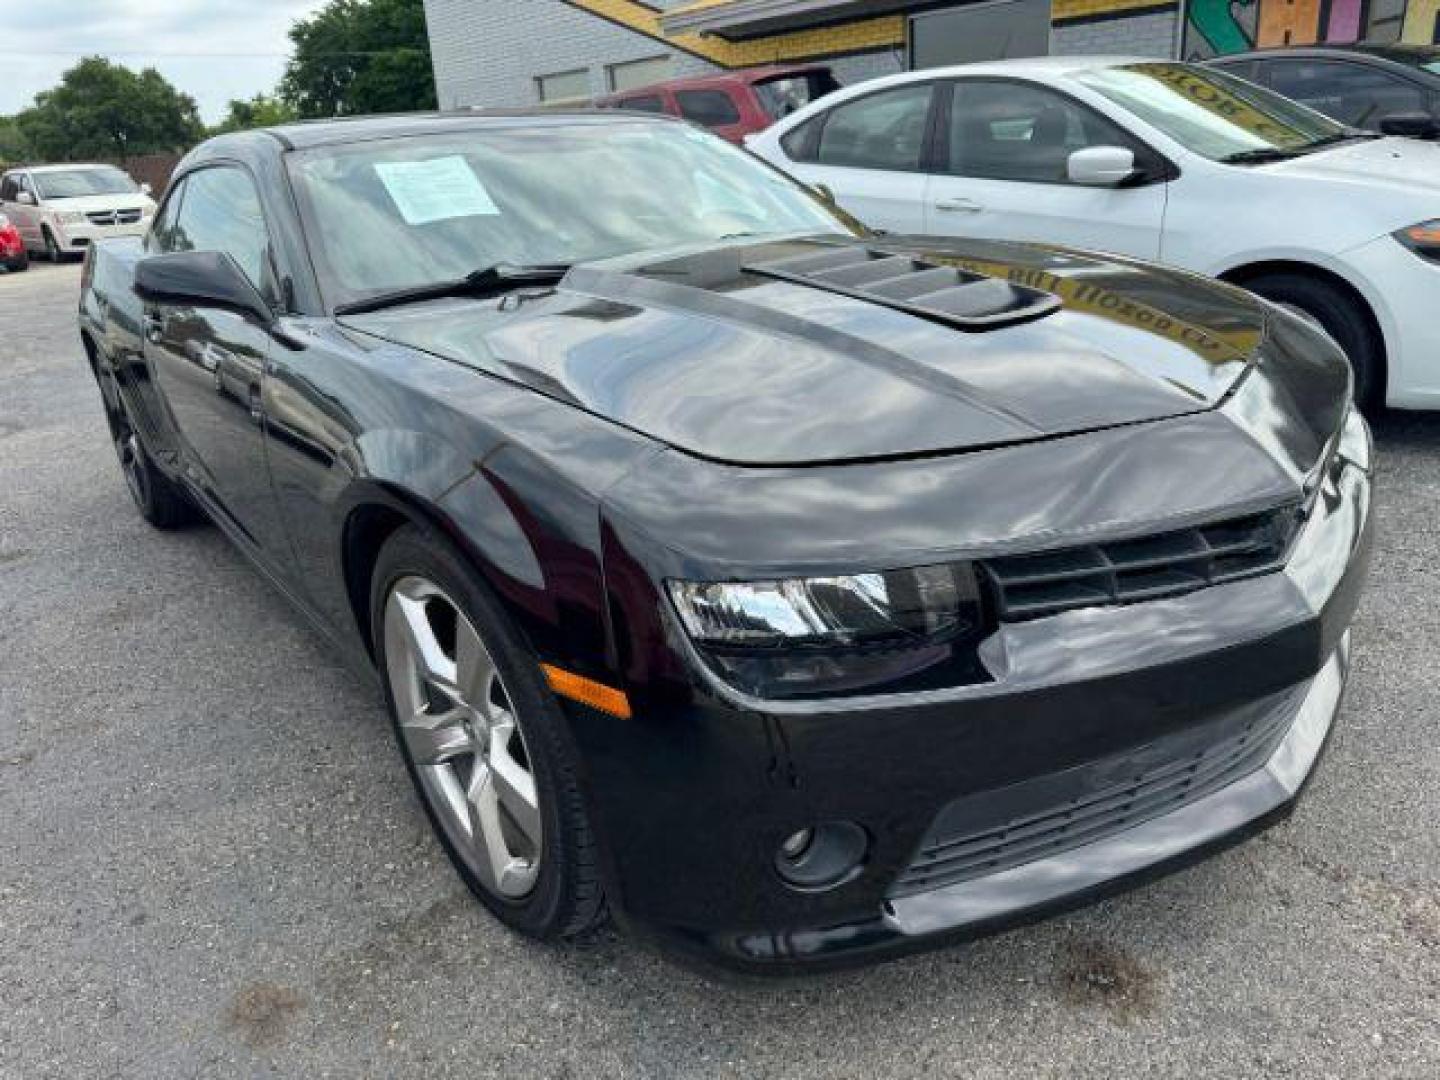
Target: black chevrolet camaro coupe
<point>796,593</point>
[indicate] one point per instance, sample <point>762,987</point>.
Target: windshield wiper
<point>487,281</point>
<point>1259,156</point>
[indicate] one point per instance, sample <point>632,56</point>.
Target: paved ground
<point>211,863</point>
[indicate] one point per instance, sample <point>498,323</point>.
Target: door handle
<point>958,206</point>
<point>154,324</point>
<point>254,401</point>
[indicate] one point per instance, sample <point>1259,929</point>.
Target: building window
<point>635,73</point>
<point>564,87</point>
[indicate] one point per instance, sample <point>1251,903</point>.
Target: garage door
<point>991,30</point>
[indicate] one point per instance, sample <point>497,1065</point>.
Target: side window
<point>713,108</point>
<point>221,212</point>
<point>1015,131</point>
<point>161,237</point>
<point>1351,93</point>
<point>884,130</point>
<point>9,189</point>
<point>653,103</point>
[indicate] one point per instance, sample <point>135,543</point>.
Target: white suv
<point>1157,160</point>
<point>63,209</point>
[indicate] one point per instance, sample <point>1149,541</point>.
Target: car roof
<point>1397,53</point>
<point>747,76</point>
<point>1044,66</point>
<point>306,134</point>
<point>67,166</point>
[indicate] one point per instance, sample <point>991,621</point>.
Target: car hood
<point>88,204</point>
<point>715,352</point>
<point>1408,166</point>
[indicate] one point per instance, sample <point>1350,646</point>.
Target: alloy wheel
<point>463,734</point>
<point>131,454</point>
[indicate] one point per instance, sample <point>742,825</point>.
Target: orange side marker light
<point>587,691</point>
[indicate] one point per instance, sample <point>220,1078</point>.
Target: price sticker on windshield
<point>435,190</point>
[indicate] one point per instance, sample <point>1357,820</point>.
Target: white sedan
<point>1158,160</point>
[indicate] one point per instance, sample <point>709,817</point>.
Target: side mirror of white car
<point>1101,166</point>
<point>146,189</point>
<point>24,198</point>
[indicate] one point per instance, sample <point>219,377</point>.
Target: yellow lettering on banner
<point>1222,102</point>
<point>1215,347</point>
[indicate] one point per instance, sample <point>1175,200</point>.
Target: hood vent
<point>942,294</point>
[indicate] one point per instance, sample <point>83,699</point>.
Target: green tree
<point>360,56</point>
<point>102,109</point>
<point>13,147</point>
<point>260,111</point>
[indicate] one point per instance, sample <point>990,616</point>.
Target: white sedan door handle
<point>958,206</point>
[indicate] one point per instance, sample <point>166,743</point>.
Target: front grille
<point>114,217</point>
<point>1145,568</point>
<point>948,856</point>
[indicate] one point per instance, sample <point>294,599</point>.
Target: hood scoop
<point>944,294</point>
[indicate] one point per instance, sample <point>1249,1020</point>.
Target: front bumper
<point>78,237</point>
<point>695,794</point>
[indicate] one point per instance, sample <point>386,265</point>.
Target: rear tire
<point>469,716</point>
<point>159,499</point>
<point>19,264</point>
<point>1343,318</point>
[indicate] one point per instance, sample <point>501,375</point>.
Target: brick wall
<point>488,52</point>
<point>1141,35</point>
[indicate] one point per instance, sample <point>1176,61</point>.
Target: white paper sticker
<point>435,190</point>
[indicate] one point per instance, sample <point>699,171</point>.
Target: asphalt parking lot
<point>211,863</point>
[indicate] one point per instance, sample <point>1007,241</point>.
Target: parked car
<point>1156,160</point>
<point>1393,89</point>
<point>733,104</point>
<point>12,248</point>
<point>800,595</point>
<point>62,209</point>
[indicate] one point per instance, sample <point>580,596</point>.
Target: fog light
<point>822,856</point>
<point>795,844</point>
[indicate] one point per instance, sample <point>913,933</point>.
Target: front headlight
<point>829,634</point>
<point>1423,239</point>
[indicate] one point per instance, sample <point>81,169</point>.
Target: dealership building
<point>497,53</point>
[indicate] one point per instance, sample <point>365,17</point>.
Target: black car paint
<point>576,497</point>
<point>1379,59</point>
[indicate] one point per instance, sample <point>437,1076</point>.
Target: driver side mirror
<point>1410,125</point>
<point>146,189</point>
<point>1101,166</point>
<point>203,279</point>
<point>24,198</point>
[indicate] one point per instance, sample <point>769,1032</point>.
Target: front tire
<point>52,246</point>
<point>483,739</point>
<point>19,264</point>
<point>1343,319</point>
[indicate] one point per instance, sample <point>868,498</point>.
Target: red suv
<point>735,103</point>
<point>12,248</point>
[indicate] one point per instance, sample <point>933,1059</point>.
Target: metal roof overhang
<point>737,20</point>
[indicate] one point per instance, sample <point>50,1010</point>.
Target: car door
<point>869,153</point>
<point>1002,171</point>
<point>210,363</point>
<point>1356,94</point>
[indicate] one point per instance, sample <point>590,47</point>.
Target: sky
<point>213,50</point>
